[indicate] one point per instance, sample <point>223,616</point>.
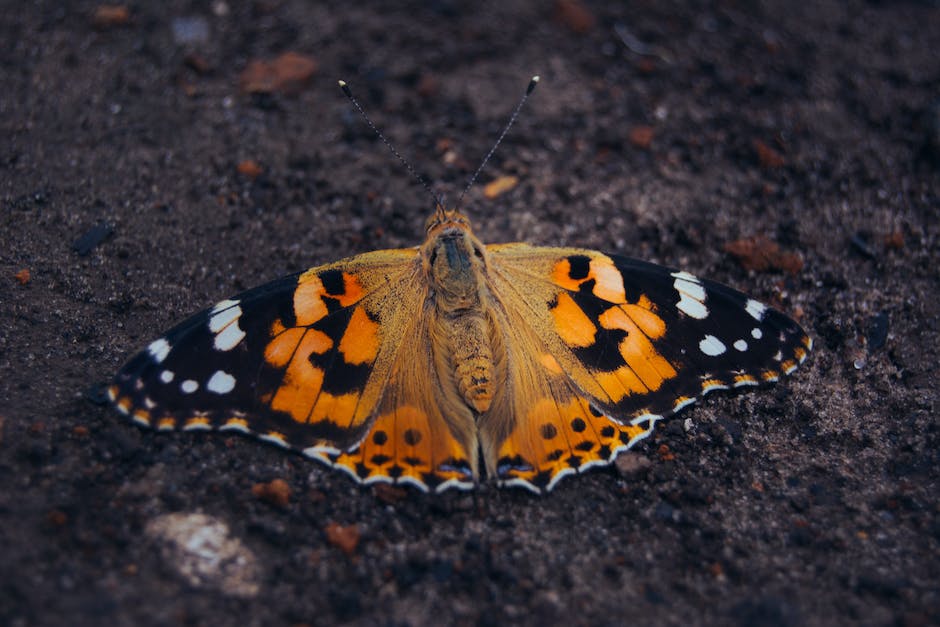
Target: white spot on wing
<point>740,345</point>
<point>691,295</point>
<point>558,477</point>
<point>711,346</point>
<point>229,337</point>
<point>273,439</point>
<point>220,382</point>
<point>189,386</point>
<point>225,304</point>
<point>167,376</point>
<point>756,309</point>
<point>757,333</point>
<point>649,419</point>
<point>159,349</point>
<point>234,426</point>
<point>711,387</point>
<point>225,317</point>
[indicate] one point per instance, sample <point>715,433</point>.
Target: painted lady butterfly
<point>433,365</point>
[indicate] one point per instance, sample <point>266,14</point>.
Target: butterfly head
<point>443,219</point>
<point>454,259</point>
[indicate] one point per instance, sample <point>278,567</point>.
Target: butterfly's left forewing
<point>302,362</point>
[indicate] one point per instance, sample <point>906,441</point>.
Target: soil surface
<point>161,156</point>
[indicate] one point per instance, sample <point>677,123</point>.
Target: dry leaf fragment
<point>641,136</point>
<point>761,254</point>
<point>768,157</point>
<point>345,538</point>
<point>249,168</point>
<point>287,74</point>
<point>499,186</point>
<point>575,15</point>
<point>276,492</point>
<point>108,15</point>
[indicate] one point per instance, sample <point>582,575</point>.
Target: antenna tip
<point>532,84</point>
<point>342,83</point>
<point>345,88</point>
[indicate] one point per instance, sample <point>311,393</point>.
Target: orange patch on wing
<point>557,438</point>
<point>561,276</point>
<point>360,342</point>
<point>645,303</point>
<point>636,349</point>
<point>308,299</point>
<point>285,346</point>
<point>302,381</point>
<point>620,383</point>
<point>571,323</point>
<point>405,445</point>
<point>609,281</point>
<point>352,292</point>
<point>649,323</point>
<point>277,328</point>
<point>337,409</point>
<point>550,363</point>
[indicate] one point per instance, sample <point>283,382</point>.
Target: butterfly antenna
<point>512,118</point>
<point>438,200</point>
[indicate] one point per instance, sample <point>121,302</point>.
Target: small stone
<point>665,454</point>
<point>202,551</point>
<point>288,74</point>
<point>108,15</point>
<point>56,518</point>
<point>630,463</point>
<point>575,15</point>
<point>894,240</point>
<point>761,254</point>
<point>276,492</point>
<point>767,156</point>
<point>389,494</point>
<point>92,238</point>
<point>22,277</point>
<point>249,168</point>
<point>190,30</point>
<point>641,136</point>
<point>345,538</point>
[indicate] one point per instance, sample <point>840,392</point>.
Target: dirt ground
<point>144,176</point>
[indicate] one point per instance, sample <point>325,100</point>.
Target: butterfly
<point>442,364</point>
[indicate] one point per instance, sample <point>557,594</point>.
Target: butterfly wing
<point>310,362</point>
<point>603,347</point>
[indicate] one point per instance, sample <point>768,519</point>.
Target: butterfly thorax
<point>461,328</point>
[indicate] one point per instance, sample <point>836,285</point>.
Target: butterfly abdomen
<point>471,357</point>
<point>455,263</point>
